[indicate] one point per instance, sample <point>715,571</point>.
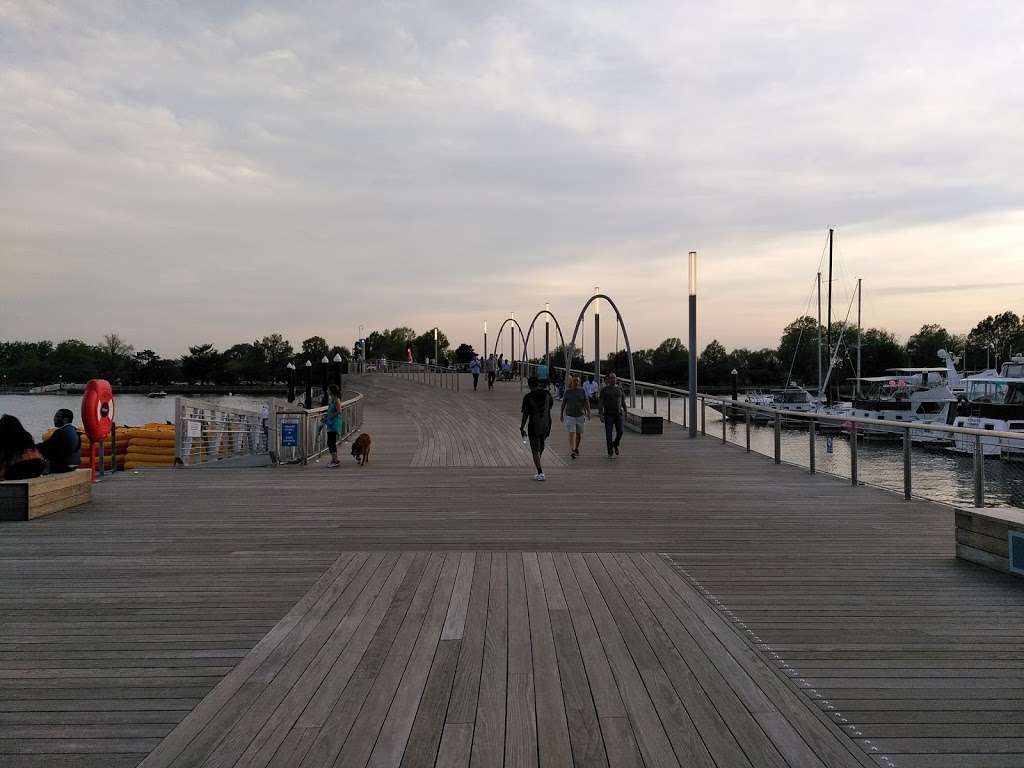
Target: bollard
<point>778,438</point>
<point>853,453</point>
<point>906,463</point>
<point>979,472</point>
<point>812,430</point>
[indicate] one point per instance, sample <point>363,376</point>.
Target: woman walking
<point>332,421</point>
<point>474,368</point>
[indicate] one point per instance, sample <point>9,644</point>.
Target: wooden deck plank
<point>489,731</point>
<point>521,719</point>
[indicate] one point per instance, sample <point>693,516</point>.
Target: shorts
<point>537,442</point>
<point>575,423</point>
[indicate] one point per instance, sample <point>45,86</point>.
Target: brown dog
<point>361,449</point>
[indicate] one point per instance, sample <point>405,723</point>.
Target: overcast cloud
<point>215,171</point>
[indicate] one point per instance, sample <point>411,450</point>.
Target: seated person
<point>62,449</point>
<point>19,458</point>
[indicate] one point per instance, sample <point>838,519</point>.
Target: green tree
<point>879,350</point>
<point>202,363</point>
<point>390,343</point>
<point>1002,334</point>
<point>73,360</point>
<point>923,347</point>
<point>423,345</point>
<point>798,350</point>
<point>714,365</point>
<point>276,351</point>
<point>464,354</point>
<point>670,361</point>
<point>314,348</point>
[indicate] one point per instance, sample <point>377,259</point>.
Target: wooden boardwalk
<point>685,604</point>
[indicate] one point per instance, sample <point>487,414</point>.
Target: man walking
<point>491,371</point>
<point>536,422</point>
<point>575,412</point>
<point>474,368</point>
<point>611,404</point>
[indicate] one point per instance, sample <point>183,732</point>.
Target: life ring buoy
<point>98,409</point>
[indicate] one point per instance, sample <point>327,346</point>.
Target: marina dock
<point>686,604</point>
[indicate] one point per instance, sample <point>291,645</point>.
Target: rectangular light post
<point>597,337</point>
<point>692,388</point>
<point>436,358</point>
<point>485,339</point>
<point>547,339</point>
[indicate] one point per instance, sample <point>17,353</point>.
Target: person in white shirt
<point>591,388</point>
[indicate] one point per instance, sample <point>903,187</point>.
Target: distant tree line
<point>258,362</point>
<point>795,359</point>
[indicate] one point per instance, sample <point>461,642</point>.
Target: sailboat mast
<point>828,328</point>
<point>819,335</point>
<point>859,334</point>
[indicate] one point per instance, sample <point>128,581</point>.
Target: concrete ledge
<point>644,422</point>
<point>983,535</point>
<point>22,500</point>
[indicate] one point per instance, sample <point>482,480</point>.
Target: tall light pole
<point>362,344</point>
<point>597,337</point>
<point>512,338</point>
<point>547,339</point>
<point>436,358</point>
<point>485,339</point>
<point>692,386</point>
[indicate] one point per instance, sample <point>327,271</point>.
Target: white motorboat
<point>993,401</point>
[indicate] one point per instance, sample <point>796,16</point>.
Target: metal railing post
<point>723,424</point>
<point>641,398</point>
<point>669,407</point>
<point>906,464</point>
<point>703,416</point>
<point>748,431</point>
<point>853,453</point>
<point>812,430</point>
<point>979,472</point>
<point>778,438</point>
<point>655,401</point>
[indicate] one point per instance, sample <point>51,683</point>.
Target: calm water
<point>36,411</point>
<point>936,474</point>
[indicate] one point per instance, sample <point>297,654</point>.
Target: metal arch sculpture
<point>625,336</point>
<point>558,327</point>
<point>497,341</point>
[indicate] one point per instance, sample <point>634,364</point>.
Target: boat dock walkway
<point>686,604</point>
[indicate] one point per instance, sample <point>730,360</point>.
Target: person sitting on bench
<point>62,449</point>
<point>19,457</point>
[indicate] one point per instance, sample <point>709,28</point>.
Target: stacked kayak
<point>149,446</point>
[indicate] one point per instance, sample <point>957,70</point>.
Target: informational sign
<point>264,411</point>
<point>828,444</point>
<point>195,429</point>
<point>289,434</point>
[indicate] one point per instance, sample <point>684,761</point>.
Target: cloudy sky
<point>215,171</point>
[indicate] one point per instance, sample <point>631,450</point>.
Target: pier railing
<point>939,462</point>
<point>299,434</point>
<point>207,432</point>
<point>433,375</point>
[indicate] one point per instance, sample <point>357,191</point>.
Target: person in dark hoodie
<point>62,449</point>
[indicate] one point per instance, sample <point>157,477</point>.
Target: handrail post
<point>812,430</point>
<point>778,438</point>
<point>853,454</point>
<point>748,431</point>
<point>723,424</point>
<point>655,401</point>
<point>906,463</point>
<point>979,472</point>
<point>704,416</point>
<point>669,407</point>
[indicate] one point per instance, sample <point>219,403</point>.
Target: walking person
<point>536,422</point>
<point>575,412</point>
<point>611,404</point>
<point>332,422</point>
<point>474,368</point>
<point>492,371</point>
<point>590,387</point>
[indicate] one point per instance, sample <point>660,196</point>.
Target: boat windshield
<point>1009,393</point>
<point>795,396</point>
<point>1013,370</point>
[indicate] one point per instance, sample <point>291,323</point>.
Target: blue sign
<point>828,444</point>
<point>290,434</point>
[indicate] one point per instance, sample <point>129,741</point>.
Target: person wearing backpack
<point>536,422</point>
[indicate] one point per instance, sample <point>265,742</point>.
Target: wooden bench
<point>644,422</point>
<point>27,499</point>
<point>985,535</point>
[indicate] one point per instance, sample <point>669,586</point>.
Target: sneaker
<point>541,477</point>
<point>573,454</point>
<point>616,446</point>
<point>611,455</point>
<point>333,464</point>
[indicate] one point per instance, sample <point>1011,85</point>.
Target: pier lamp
<point>597,336</point>
<point>338,369</point>
<point>692,387</point>
<point>436,358</point>
<point>485,339</point>
<point>291,382</point>
<point>324,383</point>
<point>512,337</point>
<point>308,380</point>
<point>547,337</point>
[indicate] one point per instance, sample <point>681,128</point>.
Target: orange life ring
<point>98,409</point>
